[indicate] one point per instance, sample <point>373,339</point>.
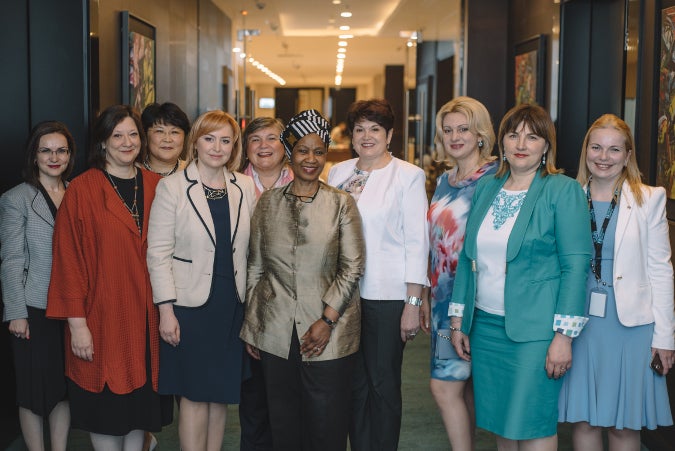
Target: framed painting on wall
<point>138,61</point>
<point>665,149</point>
<point>529,64</point>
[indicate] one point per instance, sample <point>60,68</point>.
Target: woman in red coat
<point>100,284</point>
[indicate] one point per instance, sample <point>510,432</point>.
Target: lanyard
<point>599,237</point>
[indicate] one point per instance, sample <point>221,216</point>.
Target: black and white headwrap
<point>302,124</point>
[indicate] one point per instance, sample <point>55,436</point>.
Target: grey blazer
<point>26,228</point>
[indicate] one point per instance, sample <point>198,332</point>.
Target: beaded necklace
<point>133,210</point>
<point>214,193</point>
<point>146,165</point>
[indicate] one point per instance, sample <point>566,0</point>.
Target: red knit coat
<point>99,272</point>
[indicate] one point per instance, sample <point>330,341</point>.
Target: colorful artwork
<point>665,154</point>
<point>138,61</point>
<point>528,63</point>
<point>526,78</point>
<point>141,70</point>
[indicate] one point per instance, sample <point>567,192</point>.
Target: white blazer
<point>643,273</point>
<point>182,239</point>
<point>393,207</point>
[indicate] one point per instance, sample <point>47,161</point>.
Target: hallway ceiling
<point>298,39</point>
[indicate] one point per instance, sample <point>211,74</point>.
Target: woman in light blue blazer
<point>519,292</point>
<point>27,214</point>
<point>629,300</point>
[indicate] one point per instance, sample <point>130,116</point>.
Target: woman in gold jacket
<point>302,311</point>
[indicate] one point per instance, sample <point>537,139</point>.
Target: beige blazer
<point>182,239</point>
<point>643,273</point>
<point>304,256</point>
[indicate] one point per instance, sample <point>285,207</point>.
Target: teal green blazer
<point>547,257</point>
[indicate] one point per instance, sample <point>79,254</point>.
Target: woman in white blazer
<point>27,214</point>
<point>391,198</point>
<point>630,300</point>
<point>197,252</point>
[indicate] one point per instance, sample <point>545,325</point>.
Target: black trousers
<point>309,402</point>
<point>376,393</point>
<point>256,434</point>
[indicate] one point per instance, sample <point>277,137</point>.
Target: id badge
<point>598,302</point>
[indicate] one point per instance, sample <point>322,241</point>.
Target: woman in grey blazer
<point>27,214</point>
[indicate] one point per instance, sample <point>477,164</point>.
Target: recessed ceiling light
<point>337,2</point>
<point>344,27</point>
<point>342,50</point>
<point>342,43</point>
<point>346,36</point>
<point>341,55</point>
<point>236,50</point>
<point>346,14</point>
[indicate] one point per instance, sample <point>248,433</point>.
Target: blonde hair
<point>630,172</point>
<point>207,123</point>
<point>479,124</point>
<point>540,123</point>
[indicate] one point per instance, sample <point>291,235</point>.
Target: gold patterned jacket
<point>304,256</point>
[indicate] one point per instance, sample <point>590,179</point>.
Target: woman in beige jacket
<point>302,310</point>
<point>197,245</point>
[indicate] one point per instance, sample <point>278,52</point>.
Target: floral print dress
<point>447,216</point>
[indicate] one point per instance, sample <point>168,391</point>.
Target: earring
<point>480,144</point>
<point>504,157</point>
<point>543,160</point>
<point>387,146</point>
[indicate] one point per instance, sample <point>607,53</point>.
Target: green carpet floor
<point>422,428</point>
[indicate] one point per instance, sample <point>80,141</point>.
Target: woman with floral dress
<point>464,138</point>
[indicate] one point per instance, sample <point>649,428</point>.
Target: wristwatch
<point>413,300</point>
<point>329,321</point>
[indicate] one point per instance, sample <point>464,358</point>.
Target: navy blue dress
<point>208,364</point>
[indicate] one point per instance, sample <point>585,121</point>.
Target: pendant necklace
<point>133,210</point>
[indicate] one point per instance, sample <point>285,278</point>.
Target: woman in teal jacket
<point>520,289</point>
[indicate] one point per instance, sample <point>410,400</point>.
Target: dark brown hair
<point>105,125</point>
<point>374,110</point>
<point>31,173</point>
<point>539,122</point>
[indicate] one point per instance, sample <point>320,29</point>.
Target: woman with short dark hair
<point>166,127</point>
<point>391,197</point>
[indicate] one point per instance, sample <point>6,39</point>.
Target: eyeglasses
<point>303,199</point>
<point>61,151</point>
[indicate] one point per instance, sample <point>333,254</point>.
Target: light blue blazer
<point>547,257</point>
<point>26,229</point>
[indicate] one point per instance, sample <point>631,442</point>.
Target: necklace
<point>461,178</point>
<point>265,188</point>
<point>133,210</point>
<point>214,193</point>
<point>146,165</point>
